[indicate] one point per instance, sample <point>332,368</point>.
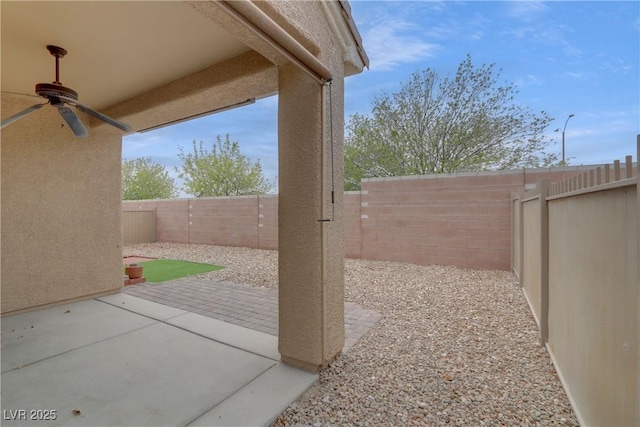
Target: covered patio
<point>124,361</point>
<point>74,348</point>
<point>188,352</point>
<point>152,64</point>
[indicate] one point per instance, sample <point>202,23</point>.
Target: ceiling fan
<point>59,97</point>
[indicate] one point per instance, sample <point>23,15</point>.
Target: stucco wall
<point>60,210</point>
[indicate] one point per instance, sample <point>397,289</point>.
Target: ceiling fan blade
<point>21,114</point>
<point>97,115</point>
<point>72,120</point>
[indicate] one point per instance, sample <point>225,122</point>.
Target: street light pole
<point>565,127</point>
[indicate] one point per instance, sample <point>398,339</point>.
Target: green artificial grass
<point>161,270</point>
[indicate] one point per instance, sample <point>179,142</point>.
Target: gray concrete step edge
<point>261,401</point>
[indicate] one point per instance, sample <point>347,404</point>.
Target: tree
<point>144,179</point>
<point>444,125</point>
<point>224,171</point>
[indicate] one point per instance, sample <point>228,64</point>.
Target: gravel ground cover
<point>454,347</point>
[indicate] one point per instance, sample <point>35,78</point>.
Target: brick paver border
<point>242,305</point>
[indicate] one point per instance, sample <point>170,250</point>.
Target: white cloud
<point>617,66</point>
<point>528,80</point>
<point>531,22</point>
<point>526,10</point>
<point>580,75</point>
<point>553,35</point>
<point>443,31</point>
<point>478,35</point>
<point>452,28</point>
<point>390,45</point>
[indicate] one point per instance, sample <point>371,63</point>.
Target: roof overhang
<point>150,63</point>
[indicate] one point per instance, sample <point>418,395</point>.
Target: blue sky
<point>573,57</point>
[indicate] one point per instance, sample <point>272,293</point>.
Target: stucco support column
<point>310,232</point>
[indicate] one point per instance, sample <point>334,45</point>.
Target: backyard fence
<point>247,221</point>
<point>575,251</point>
<point>138,226</point>
<point>458,219</point>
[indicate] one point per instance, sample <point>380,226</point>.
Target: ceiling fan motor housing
<point>49,90</point>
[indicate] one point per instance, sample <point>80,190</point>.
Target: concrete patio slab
<point>153,376</point>
<point>107,366</point>
<point>236,336</point>
<point>37,335</point>
<point>141,306</point>
<point>267,396</point>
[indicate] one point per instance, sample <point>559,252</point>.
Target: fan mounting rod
<point>56,88</point>
<point>58,52</point>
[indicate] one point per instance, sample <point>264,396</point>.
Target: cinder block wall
<point>172,219</point>
<point>454,219</point>
<point>351,220</point>
<point>224,221</point>
<point>449,220</point>
<point>268,222</point>
<point>247,221</point>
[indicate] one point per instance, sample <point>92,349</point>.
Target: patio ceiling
<point>152,63</point>
<point>117,50</point>
<point>120,52</point>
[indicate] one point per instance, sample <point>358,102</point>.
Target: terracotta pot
<point>133,271</point>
